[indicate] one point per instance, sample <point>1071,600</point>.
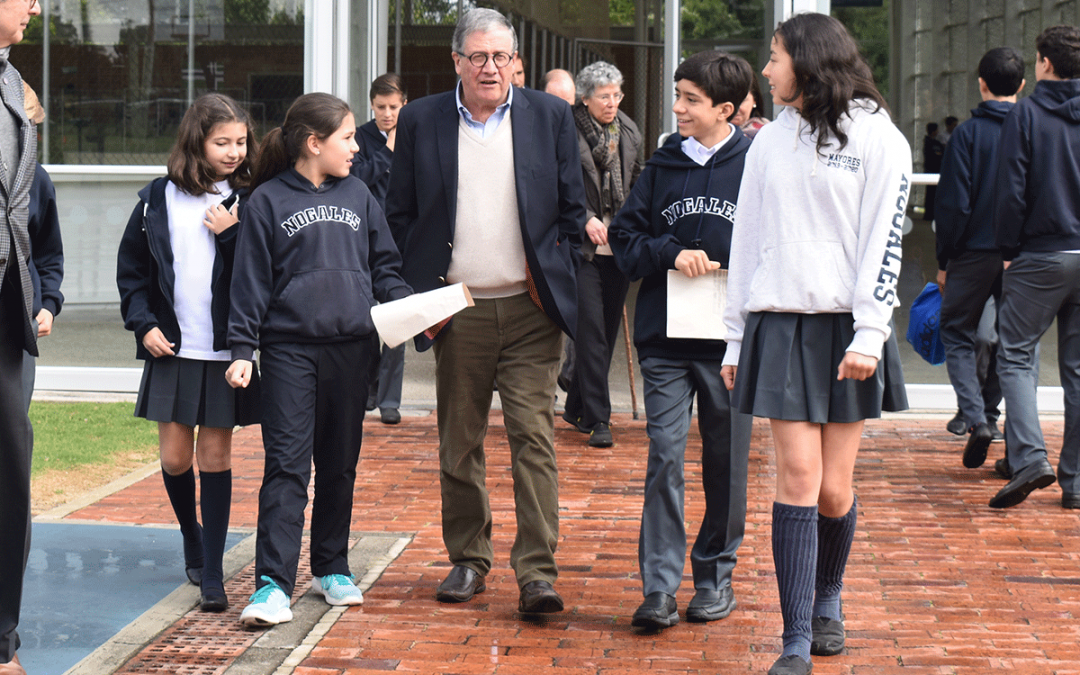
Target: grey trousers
<point>1036,289</point>
<point>670,386</point>
<point>973,278</point>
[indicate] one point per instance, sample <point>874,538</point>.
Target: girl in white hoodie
<point>815,256</point>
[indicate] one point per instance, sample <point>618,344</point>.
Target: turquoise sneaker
<point>269,607</point>
<point>338,589</point>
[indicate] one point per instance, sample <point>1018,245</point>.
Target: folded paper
<point>400,320</point>
<point>695,307</point>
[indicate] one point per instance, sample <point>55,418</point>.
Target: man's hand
<point>44,322</point>
<point>694,263</point>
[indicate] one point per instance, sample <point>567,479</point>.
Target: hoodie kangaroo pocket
<point>324,304</point>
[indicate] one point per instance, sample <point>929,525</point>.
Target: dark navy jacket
<point>1037,188</point>
<point>372,163</point>
<point>676,204</point>
<point>421,204</point>
<point>310,263</point>
<point>145,277</point>
<point>964,209</point>
<point>46,246</point>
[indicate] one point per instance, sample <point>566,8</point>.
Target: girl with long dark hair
<point>815,256</point>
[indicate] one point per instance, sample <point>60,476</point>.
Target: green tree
<point>251,12</point>
<point>870,28</point>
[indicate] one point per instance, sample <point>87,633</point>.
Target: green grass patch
<point>70,435</point>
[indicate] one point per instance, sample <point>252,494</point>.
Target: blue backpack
<point>924,325</point>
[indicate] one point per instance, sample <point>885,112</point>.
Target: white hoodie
<point>820,233</point>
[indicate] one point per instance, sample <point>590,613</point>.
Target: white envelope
<point>695,307</point>
<point>400,320</point>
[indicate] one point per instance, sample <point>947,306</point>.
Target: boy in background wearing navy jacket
<point>679,217</point>
<point>969,261</point>
<point>1037,223</point>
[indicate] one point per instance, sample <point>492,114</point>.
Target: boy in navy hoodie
<point>969,261</point>
<point>1036,209</point>
<point>679,217</point>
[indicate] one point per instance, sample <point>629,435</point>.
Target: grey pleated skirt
<point>788,365</point>
<point>195,393</point>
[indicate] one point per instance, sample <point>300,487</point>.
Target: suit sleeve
<point>1010,183</point>
<point>252,282</point>
<point>46,245</point>
<point>133,276</point>
<point>572,219</point>
<point>401,207</point>
<point>639,253</point>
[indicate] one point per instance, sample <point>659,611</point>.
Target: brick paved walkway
<point>937,581</point>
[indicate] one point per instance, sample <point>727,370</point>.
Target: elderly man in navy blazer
<point>486,189</point>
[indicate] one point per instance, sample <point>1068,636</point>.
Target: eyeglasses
<point>480,59</point>
<point>609,98</point>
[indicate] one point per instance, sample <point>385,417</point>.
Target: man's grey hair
<point>599,74</point>
<point>480,20</point>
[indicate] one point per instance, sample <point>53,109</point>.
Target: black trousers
<point>313,399</point>
<point>601,296</point>
<point>15,451</point>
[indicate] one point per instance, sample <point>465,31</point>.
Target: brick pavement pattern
<point>937,581</point>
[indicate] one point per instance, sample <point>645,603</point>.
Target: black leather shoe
<point>538,597</point>
<point>600,436</point>
<point>1070,500</point>
<point>389,416</point>
<point>956,424</point>
<point>658,612</point>
<point>213,599</point>
<point>1033,477</point>
<point>1002,470</point>
<point>460,585</point>
<point>710,605</point>
<point>791,665</point>
<point>194,575</point>
<point>978,442</point>
<point>827,636</point>
<point>995,432</point>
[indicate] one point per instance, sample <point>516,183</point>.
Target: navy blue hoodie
<point>372,163</point>
<point>46,245</point>
<point>1037,200</point>
<point>675,205</point>
<point>964,209</point>
<point>310,263</point>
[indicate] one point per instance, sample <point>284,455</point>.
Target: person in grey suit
<point>486,189</point>
<point>18,331</point>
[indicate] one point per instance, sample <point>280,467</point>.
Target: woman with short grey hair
<point>596,75</point>
<point>609,142</point>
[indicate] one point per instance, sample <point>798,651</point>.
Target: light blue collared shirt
<point>483,129</point>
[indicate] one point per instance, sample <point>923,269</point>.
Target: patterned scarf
<point>604,143</point>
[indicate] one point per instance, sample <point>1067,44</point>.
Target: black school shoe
<point>213,599</point>
<point>1033,477</point>
<point>827,636</point>
<point>710,605</point>
<point>793,664</point>
<point>956,425</point>
<point>658,612</point>
<point>600,436</point>
<point>977,444</point>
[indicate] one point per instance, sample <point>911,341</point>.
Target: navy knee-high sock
<point>181,491</point>
<point>794,545</point>
<point>834,545</point>
<point>216,502</point>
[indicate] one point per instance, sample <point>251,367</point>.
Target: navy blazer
<point>421,202</point>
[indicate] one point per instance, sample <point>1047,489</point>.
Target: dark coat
<point>629,145</point>
<point>964,207</point>
<point>46,245</point>
<point>421,203</point>
<point>372,163</point>
<point>1037,185</point>
<point>145,277</point>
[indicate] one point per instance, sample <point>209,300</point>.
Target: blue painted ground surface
<point>86,582</point>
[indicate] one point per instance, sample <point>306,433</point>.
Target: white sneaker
<point>269,606</point>
<point>338,589</point>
